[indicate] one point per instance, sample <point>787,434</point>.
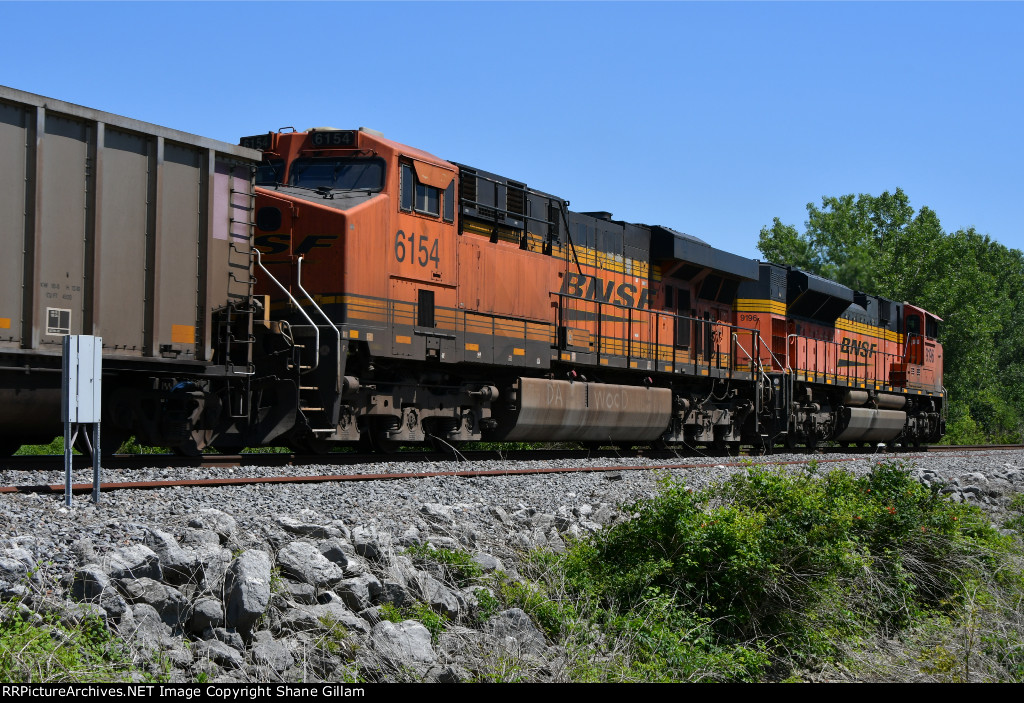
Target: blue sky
<point>711,118</point>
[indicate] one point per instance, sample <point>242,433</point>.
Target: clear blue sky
<point>711,118</point>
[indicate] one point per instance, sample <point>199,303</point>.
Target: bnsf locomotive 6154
<point>373,293</point>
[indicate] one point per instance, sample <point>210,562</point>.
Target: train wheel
<point>790,442</point>
<point>444,446</point>
<point>382,443</point>
<point>309,445</point>
<point>197,441</point>
<point>720,447</point>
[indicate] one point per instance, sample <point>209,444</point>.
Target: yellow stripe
<point>775,307</point>
<point>402,339</point>
<point>472,347</point>
<point>868,330</point>
<point>5,323</point>
<point>519,352</point>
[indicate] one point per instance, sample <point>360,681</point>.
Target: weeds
<point>457,563</point>
<point>774,573</point>
<point>42,649</point>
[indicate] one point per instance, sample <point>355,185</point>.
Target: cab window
<point>270,172</point>
<point>338,173</point>
<point>428,200</point>
<point>422,198</point>
<point>913,325</point>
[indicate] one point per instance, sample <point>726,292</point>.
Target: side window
<point>428,200</point>
<point>449,202</point>
<point>408,182</point>
<point>424,199</point>
<point>913,325</point>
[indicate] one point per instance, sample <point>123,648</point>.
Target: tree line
<point>881,245</point>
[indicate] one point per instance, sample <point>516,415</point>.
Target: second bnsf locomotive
<point>423,300</point>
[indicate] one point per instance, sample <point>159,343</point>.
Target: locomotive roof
<point>667,243</point>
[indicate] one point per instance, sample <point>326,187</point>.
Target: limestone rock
<point>246,589</point>
<point>304,562</point>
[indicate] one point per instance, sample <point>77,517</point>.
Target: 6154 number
<point>421,249</point>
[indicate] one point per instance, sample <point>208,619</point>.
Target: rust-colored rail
<point>211,461</point>
<point>471,473</point>
<point>216,461</point>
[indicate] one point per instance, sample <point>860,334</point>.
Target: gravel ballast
<point>169,565</point>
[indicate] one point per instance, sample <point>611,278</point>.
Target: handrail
<point>337,332</point>
<point>771,353</point>
<point>757,392</point>
<point>316,330</point>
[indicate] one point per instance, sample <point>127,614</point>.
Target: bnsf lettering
<point>854,347</point>
<point>577,285</point>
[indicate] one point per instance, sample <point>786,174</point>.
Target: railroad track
<point>162,461</point>
<point>218,461</point>
<point>327,478</point>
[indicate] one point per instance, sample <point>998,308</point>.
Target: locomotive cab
<point>921,367</point>
<point>357,240</point>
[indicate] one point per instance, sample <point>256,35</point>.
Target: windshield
<point>339,173</point>
<point>270,172</point>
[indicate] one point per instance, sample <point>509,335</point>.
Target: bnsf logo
<point>856,348</point>
<point>578,285</point>
<point>271,244</point>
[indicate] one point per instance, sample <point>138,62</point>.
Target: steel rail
<point>335,478</point>
<point>213,461</point>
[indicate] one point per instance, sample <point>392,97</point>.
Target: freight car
<point>428,300</point>
<point>136,233</point>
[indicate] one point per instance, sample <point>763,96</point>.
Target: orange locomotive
<point>430,301</point>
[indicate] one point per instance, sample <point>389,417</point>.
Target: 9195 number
<point>421,249</point>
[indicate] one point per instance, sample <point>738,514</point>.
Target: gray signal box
<point>80,391</point>
<point>81,402</point>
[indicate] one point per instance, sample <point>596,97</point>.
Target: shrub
<point>796,560</point>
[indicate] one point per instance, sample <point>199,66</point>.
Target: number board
<point>258,141</point>
<point>338,139</point>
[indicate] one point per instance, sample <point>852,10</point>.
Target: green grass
<point>458,563</point>
<point>44,650</point>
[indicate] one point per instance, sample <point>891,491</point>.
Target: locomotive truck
<point>366,292</point>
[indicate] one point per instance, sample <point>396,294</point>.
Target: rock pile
<point>265,584</point>
<point>317,602</point>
